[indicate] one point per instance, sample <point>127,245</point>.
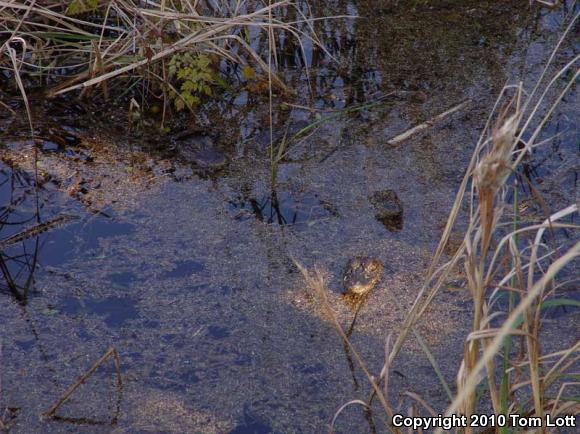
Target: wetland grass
<point>124,43</point>
<point>83,46</point>
<point>504,369</point>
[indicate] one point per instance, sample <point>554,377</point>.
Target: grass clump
<point>178,49</point>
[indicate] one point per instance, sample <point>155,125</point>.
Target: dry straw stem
<point>495,158</point>
<point>7,47</point>
<point>473,379</point>
<point>437,275</point>
<point>556,410</point>
<point>110,353</point>
<point>71,42</point>
<point>344,407</point>
<point>315,282</point>
<point>427,124</point>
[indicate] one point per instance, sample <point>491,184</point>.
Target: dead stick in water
<point>37,230</point>
<point>404,136</point>
<point>111,352</point>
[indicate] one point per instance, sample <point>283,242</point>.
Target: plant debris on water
<point>188,189</point>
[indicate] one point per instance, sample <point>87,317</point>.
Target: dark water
<point>283,209</point>
<point>191,277</point>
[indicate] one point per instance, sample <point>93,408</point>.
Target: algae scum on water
<point>171,235</point>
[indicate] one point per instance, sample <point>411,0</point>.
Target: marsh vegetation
<point>182,184</point>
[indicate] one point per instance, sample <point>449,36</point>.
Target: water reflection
<point>19,208</point>
<point>283,208</point>
<point>389,47</point>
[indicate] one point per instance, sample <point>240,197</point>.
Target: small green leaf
<point>179,104</point>
<point>248,72</point>
<point>188,86</point>
<point>78,7</point>
<point>560,302</point>
<point>73,8</point>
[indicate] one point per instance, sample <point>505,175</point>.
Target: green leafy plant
<point>193,77</point>
<point>79,6</point>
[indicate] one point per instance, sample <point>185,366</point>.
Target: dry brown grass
<point>497,261</point>
<point>75,50</point>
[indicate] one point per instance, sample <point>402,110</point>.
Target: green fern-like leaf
<point>179,104</point>
<point>194,77</point>
<point>79,6</point>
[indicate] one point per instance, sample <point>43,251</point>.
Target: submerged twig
<point>418,128</point>
<point>37,230</point>
<point>317,284</point>
<point>111,353</point>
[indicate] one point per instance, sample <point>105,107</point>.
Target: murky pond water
<point>189,272</point>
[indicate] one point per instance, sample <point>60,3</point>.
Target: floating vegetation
<point>181,259</point>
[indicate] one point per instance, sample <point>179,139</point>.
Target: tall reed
<point>528,276</point>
